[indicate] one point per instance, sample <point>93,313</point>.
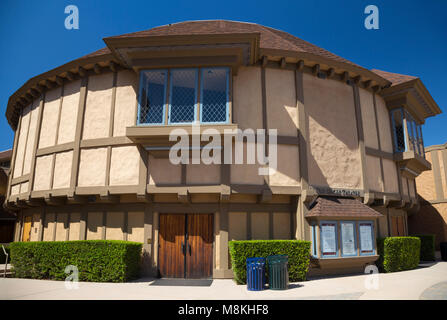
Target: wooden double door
<point>185,246</point>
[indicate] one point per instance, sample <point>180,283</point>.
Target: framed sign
<point>348,238</point>
<point>366,235</point>
<point>328,231</point>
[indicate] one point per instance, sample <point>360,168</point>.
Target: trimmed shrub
<point>2,254</point>
<point>398,253</point>
<point>297,250</point>
<point>96,260</point>
<point>427,246</point>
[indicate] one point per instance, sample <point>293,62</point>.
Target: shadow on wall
<point>429,220</point>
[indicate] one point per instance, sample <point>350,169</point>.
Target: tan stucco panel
<point>404,186</point>
<point>125,103</point>
<point>411,187</point>
<point>374,173</point>
<point>124,166</point>
<point>245,173</point>
<point>260,226</point>
<point>202,173</point>
<point>281,101</point>
<point>368,118</point>
<point>50,118</point>
<point>287,173</point>
<point>61,231</point>
<point>49,226</point>
<point>281,225</point>
<point>69,112</point>
<point>390,175</point>
<point>247,98</point>
<point>75,226</point>
<point>162,171</point>
<point>237,226</point>
<point>21,145</point>
<point>425,182</point>
<point>97,108</point>
<point>92,167</point>
<point>24,187</point>
<point>15,189</point>
<point>114,225</point>
<point>135,226</point>
<point>383,117</point>
<point>62,170</point>
<point>334,158</point>
<point>42,175</point>
<point>94,225</point>
<point>31,137</point>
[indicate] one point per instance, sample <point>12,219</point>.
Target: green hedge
<point>398,253</point>
<point>96,260</point>
<point>2,255</point>
<point>297,250</point>
<point>427,246</point>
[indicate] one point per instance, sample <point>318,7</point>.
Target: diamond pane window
<point>214,95</point>
<point>183,95</point>
<point>399,136</point>
<point>407,133</point>
<point>152,97</point>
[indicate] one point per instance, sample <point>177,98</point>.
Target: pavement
<point>428,282</point>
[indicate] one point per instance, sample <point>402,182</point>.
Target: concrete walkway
<point>423,283</point>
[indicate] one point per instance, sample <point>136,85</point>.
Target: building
<point>92,143</point>
<point>7,219</point>
<point>432,190</point>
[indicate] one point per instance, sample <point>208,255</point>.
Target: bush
<point>427,246</point>
<point>398,253</point>
<point>96,260</point>
<point>2,254</point>
<point>297,250</point>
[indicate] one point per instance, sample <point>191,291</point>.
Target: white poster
<point>366,241</point>
<point>348,239</point>
<point>329,246</point>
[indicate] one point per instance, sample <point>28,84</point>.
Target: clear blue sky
<point>412,38</point>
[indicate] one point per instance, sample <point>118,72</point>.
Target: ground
<point>428,282</point>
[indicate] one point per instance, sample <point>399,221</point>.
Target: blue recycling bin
<point>255,274</point>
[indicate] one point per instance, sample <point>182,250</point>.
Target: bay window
<point>184,96</point>
<point>407,134</point>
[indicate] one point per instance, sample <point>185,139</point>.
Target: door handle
<point>183,248</point>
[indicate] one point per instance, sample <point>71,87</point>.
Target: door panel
<point>171,260</point>
<point>199,255</point>
<point>27,221</point>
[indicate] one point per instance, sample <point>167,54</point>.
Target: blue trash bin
<point>255,274</point>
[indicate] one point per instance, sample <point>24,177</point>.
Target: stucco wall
<point>334,158</point>
<point>50,117</point>
<point>94,225</point>
<point>135,226</point>
<point>97,108</point>
<point>69,112</point>
<point>368,118</point>
<point>374,173</point>
<point>162,171</point>
<point>61,230</point>
<point>49,226</point>
<point>31,137</point>
<point>75,226</point>
<point>92,167</point>
<point>281,101</point>
<point>237,226</point>
<point>383,117</point>
<point>259,225</point>
<point>390,175</point>
<point>247,98</point>
<point>287,173</point>
<point>35,227</point>
<point>124,165</point>
<point>114,226</point>
<point>202,174</point>
<point>42,175</point>
<point>21,145</point>
<point>125,102</point>
<point>281,225</point>
<point>62,169</point>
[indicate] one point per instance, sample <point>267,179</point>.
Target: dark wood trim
<point>78,134</point>
<point>379,153</point>
<point>55,149</point>
<point>14,155</point>
<point>20,179</point>
<point>264,117</point>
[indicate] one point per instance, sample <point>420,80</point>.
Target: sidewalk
<point>423,283</point>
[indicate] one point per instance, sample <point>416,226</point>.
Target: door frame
<point>156,233</point>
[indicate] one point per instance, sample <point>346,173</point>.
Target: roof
<point>6,155</point>
<point>394,78</point>
<point>326,206</point>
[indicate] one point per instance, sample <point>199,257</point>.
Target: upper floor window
<point>184,96</point>
<point>407,133</point>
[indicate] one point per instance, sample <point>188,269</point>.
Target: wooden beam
<point>345,76</point>
<point>330,72</point>
<point>70,76</point>
<point>315,69</point>
<point>59,80</point>
<point>97,68</point>
<point>367,84</point>
<point>265,60</point>
<point>300,65</point>
<point>282,63</point>
<point>82,72</point>
<point>112,66</point>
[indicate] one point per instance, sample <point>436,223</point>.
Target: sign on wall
<point>348,239</point>
<point>328,239</point>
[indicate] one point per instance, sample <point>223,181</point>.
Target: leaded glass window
<point>214,95</point>
<point>152,97</point>
<point>183,96</point>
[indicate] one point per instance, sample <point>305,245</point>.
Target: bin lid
<point>278,258</point>
<point>255,260</point>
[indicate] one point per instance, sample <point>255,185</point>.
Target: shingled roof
<point>341,207</point>
<point>394,78</point>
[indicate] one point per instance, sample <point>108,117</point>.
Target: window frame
<point>373,238</point>
<point>356,246</point>
<point>139,123</point>
<point>412,132</point>
<point>166,121</point>
<point>337,251</point>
